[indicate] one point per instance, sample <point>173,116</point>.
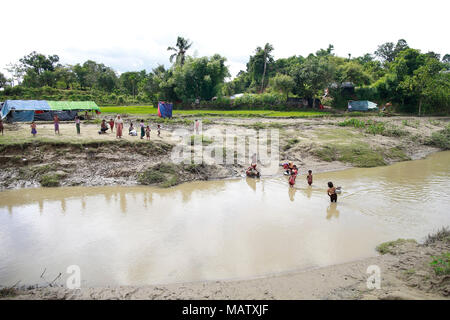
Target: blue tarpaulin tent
<point>363,105</point>
<point>165,109</point>
<point>29,110</point>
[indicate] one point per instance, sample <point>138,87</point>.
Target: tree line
<point>412,80</point>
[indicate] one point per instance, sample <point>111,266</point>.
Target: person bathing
<point>309,177</point>
<point>332,192</point>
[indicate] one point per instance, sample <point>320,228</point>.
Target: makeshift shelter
<point>165,109</point>
<point>31,110</point>
<point>363,105</point>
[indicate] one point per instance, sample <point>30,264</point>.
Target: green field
<point>228,113</point>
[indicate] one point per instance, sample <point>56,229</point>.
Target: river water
<point>228,229</point>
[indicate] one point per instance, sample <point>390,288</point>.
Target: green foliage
<point>374,127</point>
<point>389,247</point>
<point>50,180</point>
<point>441,264</point>
<point>440,139</point>
<point>442,234</point>
<point>357,154</point>
<point>412,81</point>
<point>283,83</point>
<point>164,174</point>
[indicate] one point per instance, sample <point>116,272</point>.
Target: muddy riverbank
<point>405,274</point>
<point>271,241</point>
<point>91,159</point>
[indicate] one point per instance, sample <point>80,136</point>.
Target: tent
<point>363,105</point>
<point>165,109</point>
<point>30,110</point>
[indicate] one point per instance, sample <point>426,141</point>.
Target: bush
<point>440,139</point>
<point>441,264</point>
<point>49,180</point>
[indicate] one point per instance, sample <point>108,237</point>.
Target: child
<point>77,124</point>
<point>33,129</point>
<point>111,125</point>
<point>309,177</point>
<point>292,179</point>
<point>332,192</point>
<point>159,130</point>
<point>56,122</point>
<point>1,126</point>
<point>142,125</point>
<point>147,132</point>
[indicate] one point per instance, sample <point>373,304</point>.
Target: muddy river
<point>229,229</point>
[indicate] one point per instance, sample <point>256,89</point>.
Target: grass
<point>412,124</point>
<point>396,153</point>
<point>228,113</point>
<point>50,179</point>
<point>205,140</point>
<point>290,143</point>
<point>440,139</point>
<point>387,247</point>
<point>440,235</point>
<point>164,174</point>
<point>358,154</point>
<point>374,127</point>
<point>8,292</point>
<point>441,264</point>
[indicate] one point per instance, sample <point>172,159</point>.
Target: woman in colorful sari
<point>119,126</point>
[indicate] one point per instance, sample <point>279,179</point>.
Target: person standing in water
<point>159,130</point>
<point>56,123</point>
<point>77,125</point>
<point>292,179</point>
<point>309,177</point>
<point>332,192</point>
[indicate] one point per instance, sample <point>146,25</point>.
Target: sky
<point>133,35</point>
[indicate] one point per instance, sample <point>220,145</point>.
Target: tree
<point>180,50</point>
<point>315,74</point>
<point>283,83</point>
<point>3,80</point>
<point>354,72</point>
<point>387,51</point>
<point>17,71</point>
<point>422,81</point>
<point>268,48</point>
<point>199,78</point>
<point>39,62</point>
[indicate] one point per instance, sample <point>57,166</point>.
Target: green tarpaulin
<point>73,105</point>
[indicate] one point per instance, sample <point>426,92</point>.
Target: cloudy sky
<point>134,35</point>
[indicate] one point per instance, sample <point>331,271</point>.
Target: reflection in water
<point>308,191</point>
<point>292,193</point>
<point>217,229</point>
<point>251,183</point>
<point>332,211</point>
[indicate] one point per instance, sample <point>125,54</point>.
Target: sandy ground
<point>405,274</point>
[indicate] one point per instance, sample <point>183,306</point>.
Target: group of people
<point>292,171</point>
<point>118,124</point>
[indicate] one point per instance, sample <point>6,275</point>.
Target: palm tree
<point>180,50</point>
<point>267,49</point>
